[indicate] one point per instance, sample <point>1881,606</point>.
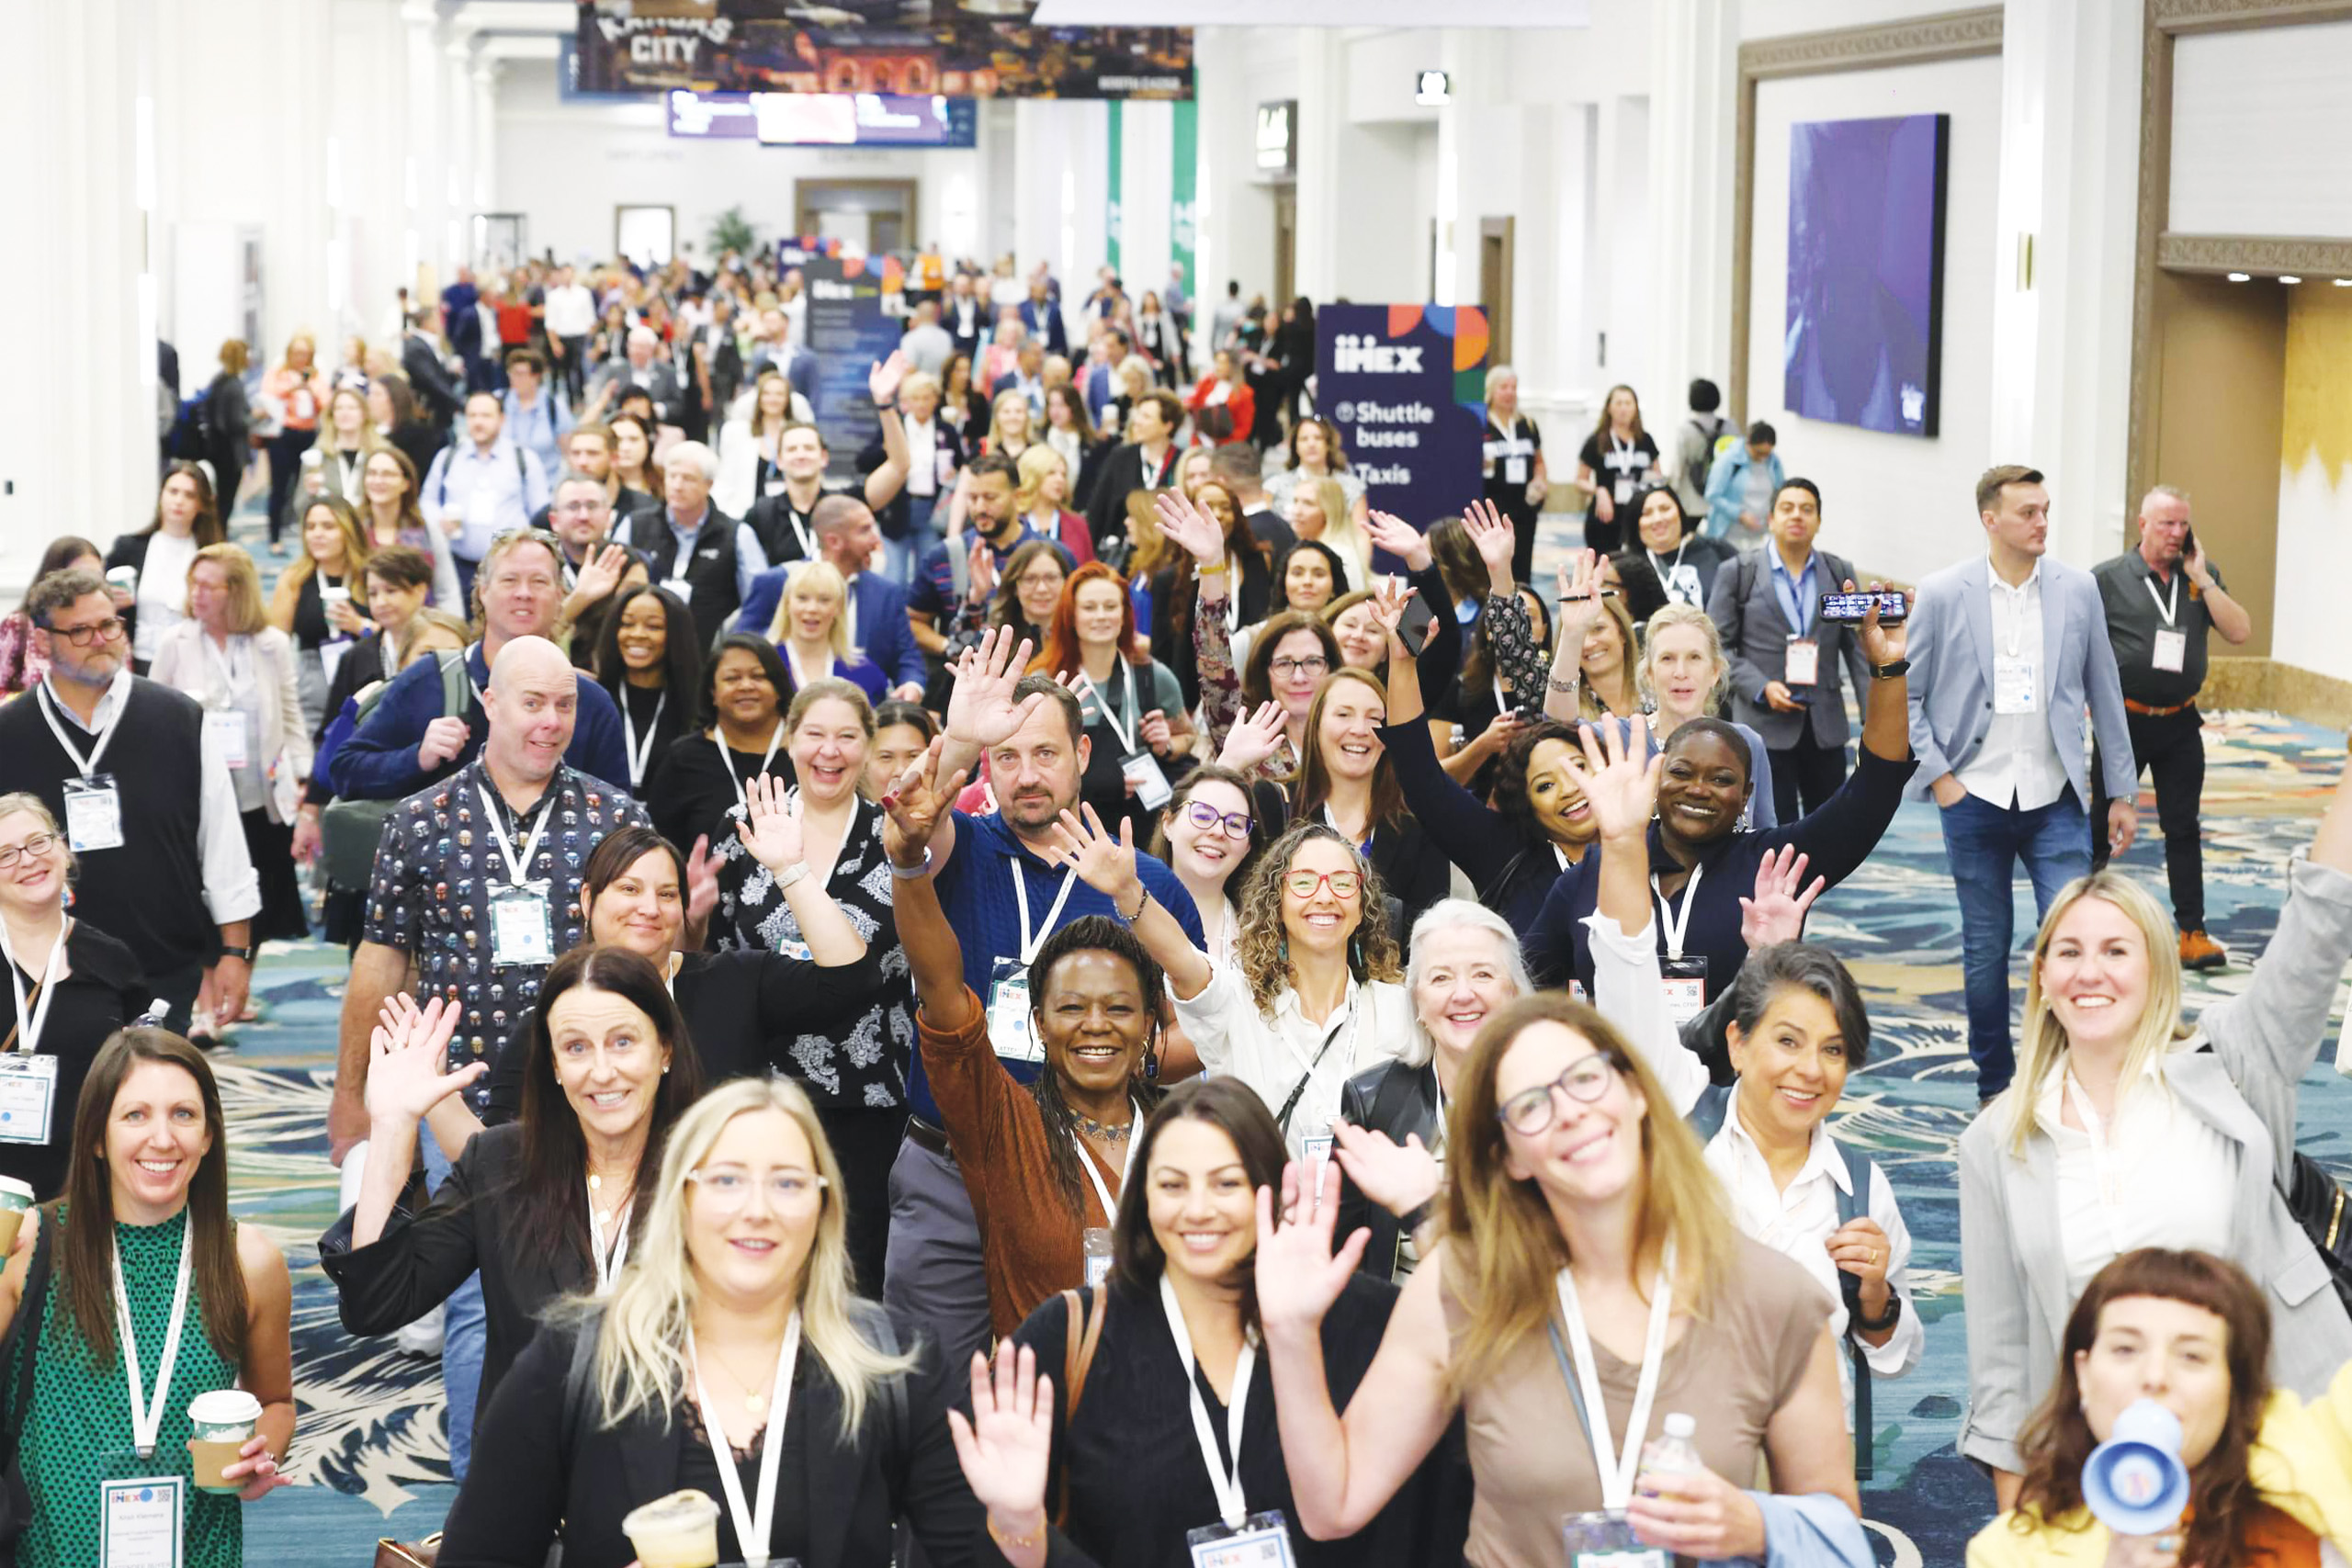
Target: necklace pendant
<point>755,1401</point>
<point>595,1182</point>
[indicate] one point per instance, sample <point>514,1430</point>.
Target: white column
<point>1146,186</point>
<point>1693,144</point>
<point>454,176</point>
<point>482,161</point>
<point>423,194</point>
<point>1324,210</point>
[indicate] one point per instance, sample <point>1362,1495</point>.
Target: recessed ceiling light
<point>2240,276</point>
<point>2288,277</point>
<point>2344,283</point>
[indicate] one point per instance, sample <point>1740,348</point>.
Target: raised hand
<point>981,710</point>
<point>982,560</point>
<point>1579,598</point>
<point>1104,864</point>
<point>1619,777</point>
<point>914,805</point>
<point>882,380</point>
<point>1005,1445</point>
<point>1399,539</point>
<point>1777,912</point>
<point>1491,531</point>
<point>405,1080</point>
<point>1188,527</point>
<point>702,884</point>
<point>1882,644</point>
<point>1400,1177</point>
<point>1254,738</point>
<point>1297,1274</point>
<point>1390,597</point>
<point>771,825</point>
<point>602,573</point>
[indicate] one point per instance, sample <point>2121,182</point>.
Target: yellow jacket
<point>2301,1464</point>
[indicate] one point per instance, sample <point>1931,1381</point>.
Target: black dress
<point>689,795</point>
<point>656,711</point>
<point>102,991</point>
<point>1618,471</point>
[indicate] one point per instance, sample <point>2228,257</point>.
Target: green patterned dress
<point>79,1433</point>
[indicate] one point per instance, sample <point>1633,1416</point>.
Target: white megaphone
<point>2134,1481</point>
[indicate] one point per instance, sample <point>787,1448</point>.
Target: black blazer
<point>102,991</point>
<point>1122,472</point>
<point>1400,1101</point>
<point>429,378</point>
<point>542,1473</point>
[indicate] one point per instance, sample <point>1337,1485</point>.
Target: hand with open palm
<point>409,1044</point>
<point>1005,1446</point>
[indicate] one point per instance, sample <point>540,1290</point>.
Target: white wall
<point>2259,121</point>
<point>1897,503</point>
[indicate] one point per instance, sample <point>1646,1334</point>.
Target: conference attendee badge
<point>1803,667</point>
<point>28,1096</point>
<point>93,813</point>
<point>1142,769</point>
<point>2170,652</point>
<point>139,1521</point>
<point>2015,690</point>
<point>1096,1240</point>
<point>521,931</point>
<point>1263,1542</point>
<point>225,727</point>
<point>1605,1538</point>
<point>1009,1031</point>
<point>1686,986</point>
<point>1515,470</point>
<point>681,587</point>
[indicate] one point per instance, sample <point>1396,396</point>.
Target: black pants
<point>285,450</point>
<point>2171,750</point>
<point>865,1143</point>
<point>1805,776</point>
<point>573,367</point>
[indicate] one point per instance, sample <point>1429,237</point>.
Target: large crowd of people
<point>1089,994</point>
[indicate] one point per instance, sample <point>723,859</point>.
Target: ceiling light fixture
<point>2240,276</point>
<point>2288,277</point>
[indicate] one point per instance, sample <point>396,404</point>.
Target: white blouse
<point>2159,1175</point>
<point>1276,1054</point>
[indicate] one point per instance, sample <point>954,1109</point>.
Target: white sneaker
<point>423,1337</point>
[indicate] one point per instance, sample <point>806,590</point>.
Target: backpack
<point>1718,436</point>
<point>349,830</point>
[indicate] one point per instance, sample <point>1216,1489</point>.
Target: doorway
<point>1496,260</point>
<point>646,235</point>
<point>871,217</point>
<point>1285,246</point>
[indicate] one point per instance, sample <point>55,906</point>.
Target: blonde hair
<point>641,1362</point>
<point>818,576</point>
<point>1035,460</point>
<point>1587,702</point>
<point>246,617</point>
<point>995,420</point>
<point>1264,953</point>
<point>1667,619</point>
<point>431,618</point>
<point>916,382</point>
<point>1339,531</point>
<point>2046,1045</point>
<point>783,421</point>
<point>1505,1247</point>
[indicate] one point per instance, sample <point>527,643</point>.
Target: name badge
<point>521,931</point>
<point>1142,769</point>
<point>139,1522</point>
<point>1009,1029</point>
<point>1263,1542</point>
<point>1096,1244</point>
<point>2015,689</point>
<point>225,727</point>
<point>682,588</point>
<point>27,1096</point>
<point>1625,489</point>
<point>1686,986</point>
<point>1805,662</point>
<point>1604,1538</point>
<point>1514,470</point>
<point>93,813</point>
<point>944,465</point>
<point>2170,652</point>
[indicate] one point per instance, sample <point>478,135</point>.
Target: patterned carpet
<point>369,1457</point>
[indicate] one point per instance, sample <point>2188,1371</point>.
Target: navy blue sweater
<point>378,762</point>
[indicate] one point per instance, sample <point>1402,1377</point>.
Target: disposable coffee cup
<point>677,1531</point>
<point>16,1198</point>
<point>224,1422</point>
<point>123,577</point>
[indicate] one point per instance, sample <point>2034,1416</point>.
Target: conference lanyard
<point>1618,1466</point>
<point>608,1263</point>
<point>518,871</point>
<point>753,1526</point>
<point>1126,732</point>
<point>1029,943</point>
<point>1110,1202</point>
<point>798,679</point>
<point>638,756</point>
<point>221,667</point>
<point>84,766</point>
<point>146,1418</point>
<point>1225,1483</point>
<point>1667,921</point>
<point>28,1025</point>
<point>2169,612</point>
<point>742,796</point>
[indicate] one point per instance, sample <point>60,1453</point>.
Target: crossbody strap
<point>1079,1336</point>
<point>35,1302</point>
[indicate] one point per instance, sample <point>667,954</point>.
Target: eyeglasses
<point>1531,1112</point>
<point>1304,885</point>
<point>81,636</point>
<point>38,845</point>
<point>1315,666</point>
<point>728,1188</point>
<point>1201,815</point>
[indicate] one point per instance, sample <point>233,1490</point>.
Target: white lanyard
<point>28,1027</point>
<point>1031,943</point>
<point>517,869</point>
<point>742,796</point>
<point>1619,1466</point>
<point>85,765</point>
<point>1226,1484</point>
<point>2168,611</point>
<point>1232,595</point>
<point>1126,732</point>
<point>752,1527</point>
<point>798,679</point>
<point>219,664</point>
<point>1667,919</point>
<point>638,756</point>
<point>147,1419</point>
<point>792,516</point>
<point>1371,829</point>
<point>1110,1201</point>
<point>1620,450</point>
<point>608,1265</point>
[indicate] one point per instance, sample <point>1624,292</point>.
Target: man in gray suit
<point>2007,649</point>
<point>1785,657</point>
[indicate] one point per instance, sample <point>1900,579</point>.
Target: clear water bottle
<point>1674,1453</point>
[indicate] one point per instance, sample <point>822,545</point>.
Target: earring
<point>1355,952</point>
<point>1285,947</point>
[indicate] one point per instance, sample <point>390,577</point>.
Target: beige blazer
<point>180,663</point>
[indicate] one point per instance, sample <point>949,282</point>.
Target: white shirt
<point>162,591</point>
<point>572,310</point>
<point>922,460</point>
<point>2019,762</point>
<point>2158,1175</point>
<point>231,890</point>
<point>1271,1053</point>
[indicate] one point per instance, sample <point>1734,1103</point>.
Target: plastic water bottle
<point>1673,1454</point>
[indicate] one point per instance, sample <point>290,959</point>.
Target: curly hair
<point>1510,776</point>
<point>1264,955</point>
<point>1091,933</point>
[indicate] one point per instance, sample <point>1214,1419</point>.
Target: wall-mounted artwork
<point>1864,344</point>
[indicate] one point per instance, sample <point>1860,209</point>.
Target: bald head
<point>532,702</point>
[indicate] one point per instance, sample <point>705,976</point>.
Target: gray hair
<point>1456,914</point>
<point>574,476</point>
<point>693,452</point>
<point>645,335</point>
<point>2162,492</point>
<point>58,590</point>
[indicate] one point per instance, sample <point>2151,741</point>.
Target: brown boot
<point>2198,951</point>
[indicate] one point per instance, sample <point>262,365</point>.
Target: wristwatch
<point>1888,672</point>
<point>245,953</point>
<point>1880,1325</point>
<point>793,874</point>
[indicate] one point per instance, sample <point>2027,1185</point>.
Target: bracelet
<point>792,873</point>
<point>1018,1543</point>
<point>1570,684</point>
<point>1141,904</point>
<point>1216,570</point>
<point>908,873</point>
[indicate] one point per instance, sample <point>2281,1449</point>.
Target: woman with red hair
<point>1137,727</point>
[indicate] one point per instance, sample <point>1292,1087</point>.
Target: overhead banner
<point>980,48</point>
<point>1406,386</point>
<point>853,320</point>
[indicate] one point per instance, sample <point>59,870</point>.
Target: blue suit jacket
<point>1950,649</point>
<point>1045,322</point>
<point>882,628</point>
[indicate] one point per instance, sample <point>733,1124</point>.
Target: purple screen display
<point>1866,241</point>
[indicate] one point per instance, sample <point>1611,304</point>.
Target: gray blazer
<point>1950,649</point>
<point>1745,608</point>
<point>2262,1042</point>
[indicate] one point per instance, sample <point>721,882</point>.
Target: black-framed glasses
<point>81,636</point>
<point>1316,666</point>
<point>1533,1111</point>
<point>1304,884</point>
<point>1209,820</point>
<point>38,845</point>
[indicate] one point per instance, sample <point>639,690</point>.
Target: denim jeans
<point>902,557</point>
<point>465,1335</point>
<point>1983,842</point>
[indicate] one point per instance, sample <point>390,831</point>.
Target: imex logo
<point>1353,354</point>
